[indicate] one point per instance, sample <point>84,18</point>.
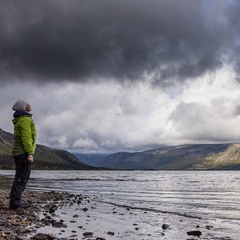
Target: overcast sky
<point>122,75</point>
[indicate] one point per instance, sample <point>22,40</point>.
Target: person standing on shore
<point>23,149</point>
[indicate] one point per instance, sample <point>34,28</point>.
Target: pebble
<point>87,234</point>
<point>194,233</point>
<point>165,226</point>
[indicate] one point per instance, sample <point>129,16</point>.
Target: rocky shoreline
<point>44,219</point>
<point>23,224</point>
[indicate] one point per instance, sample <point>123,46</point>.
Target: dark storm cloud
<point>78,40</point>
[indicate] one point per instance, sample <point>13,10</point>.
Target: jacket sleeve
<point>28,136</point>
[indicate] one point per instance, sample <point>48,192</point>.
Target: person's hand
<point>30,158</point>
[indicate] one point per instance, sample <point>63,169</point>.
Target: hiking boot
<point>12,206</point>
<point>22,205</point>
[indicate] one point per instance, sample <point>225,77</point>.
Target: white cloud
<point>206,111</point>
<point>109,117</point>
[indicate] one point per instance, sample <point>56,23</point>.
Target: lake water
<point>209,200</point>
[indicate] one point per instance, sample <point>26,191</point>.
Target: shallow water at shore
<point>135,204</point>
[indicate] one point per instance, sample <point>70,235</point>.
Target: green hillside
<point>44,157</point>
<point>226,160</point>
<point>183,157</point>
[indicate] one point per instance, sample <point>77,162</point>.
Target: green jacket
<point>24,134</point>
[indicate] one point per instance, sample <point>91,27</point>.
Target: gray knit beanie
<point>19,105</point>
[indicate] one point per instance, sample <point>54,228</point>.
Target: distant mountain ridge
<point>183,157</point>
<point>44,158</point>
<point>90,159</point>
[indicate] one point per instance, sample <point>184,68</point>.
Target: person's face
<point>28,108</point>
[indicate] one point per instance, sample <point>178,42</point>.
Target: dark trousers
<point>23,170</point>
